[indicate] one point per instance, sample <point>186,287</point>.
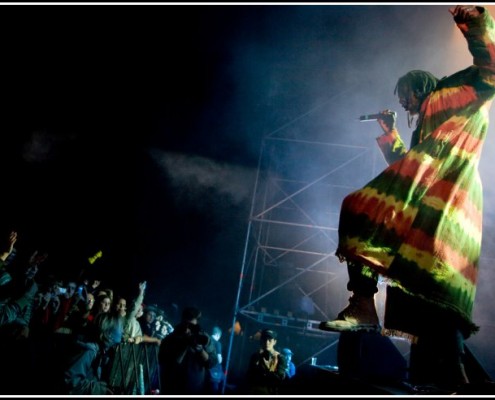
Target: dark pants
<point>437,357</point>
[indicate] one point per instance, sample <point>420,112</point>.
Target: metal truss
<point>290,278</point>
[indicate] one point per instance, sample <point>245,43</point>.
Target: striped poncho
<point>419,222</point>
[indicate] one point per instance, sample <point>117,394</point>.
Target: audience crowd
<point>57,335</point>
<point>75,336</point>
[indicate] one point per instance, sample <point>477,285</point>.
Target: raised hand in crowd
<point>8,246</point>
<point>36,258</point>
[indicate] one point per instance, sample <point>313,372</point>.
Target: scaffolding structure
<point>290,278</point>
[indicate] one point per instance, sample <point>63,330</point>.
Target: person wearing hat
<point>291,367</point>
<point>147,321</point>
<point>216,375</point>
<point>267,367</point>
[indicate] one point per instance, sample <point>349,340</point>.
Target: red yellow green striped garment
<point>419,222</point>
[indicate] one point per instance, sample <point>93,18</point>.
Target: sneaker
<point>359,315</point>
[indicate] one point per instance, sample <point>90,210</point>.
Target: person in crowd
<point>162,326</point>
<point>48,303</point>
<point>147,321</point>
<point>185,356</point>
<point>16,343</point>
<point>86,372</point>
<point>290,367</point>
<point>266,371</point>
<point>106,292</point>
<point>81,316</point>
<point>18,290</point>
<point>133,332</point>
<point>419,222</point>
<point>216,375</point>
<point>45,309</point>
<point>121,306</point>
<point>103,304</point>
<point>68,297</point>
<point>132,328</point>
<point>15,295</point>
<point>62,329</point>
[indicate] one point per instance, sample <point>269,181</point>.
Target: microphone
<point>374,117</point>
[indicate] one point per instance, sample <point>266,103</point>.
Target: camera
<point>201,339</point>
<point>198,337</point>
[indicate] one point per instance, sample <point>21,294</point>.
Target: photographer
<point>185,356</point>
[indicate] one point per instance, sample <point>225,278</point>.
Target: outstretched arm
<point>478,27</point>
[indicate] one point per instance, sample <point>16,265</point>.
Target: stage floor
<point>323,380</point>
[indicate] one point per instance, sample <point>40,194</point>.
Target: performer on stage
<point>419,222</point>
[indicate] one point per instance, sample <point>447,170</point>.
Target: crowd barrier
<point>134,369</point>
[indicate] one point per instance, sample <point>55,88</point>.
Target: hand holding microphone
<point>374,117</point>
<point>386,119</point>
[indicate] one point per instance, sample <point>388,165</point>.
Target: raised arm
<point>477,26</point>
<point>138,301</point>
<point>9,246</point>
